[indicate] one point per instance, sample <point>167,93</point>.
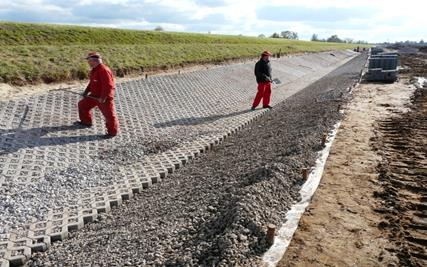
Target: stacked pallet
<point>382,66</point>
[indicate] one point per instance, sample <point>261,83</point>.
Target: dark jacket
<point>263,71</point>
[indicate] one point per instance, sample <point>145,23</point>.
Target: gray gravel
<point>21,203</point>
<point>215,210</point>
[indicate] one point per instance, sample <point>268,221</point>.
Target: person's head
<point>266,55</point>
<point>94,59</point>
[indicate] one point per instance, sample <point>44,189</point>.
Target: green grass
<point>34,53</point>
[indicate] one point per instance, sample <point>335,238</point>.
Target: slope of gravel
<point>215,210</point>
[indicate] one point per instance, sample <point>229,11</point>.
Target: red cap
<point>266,53</point>
<point>93,55</point>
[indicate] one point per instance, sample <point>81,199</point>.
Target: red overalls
<point>262,73</point>
<point>264,93</point>
<point>101,85</point>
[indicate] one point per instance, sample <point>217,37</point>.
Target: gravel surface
<point>215,210</point>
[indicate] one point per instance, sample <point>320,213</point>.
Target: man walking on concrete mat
<point>263,78</point>
<point>99,93</point>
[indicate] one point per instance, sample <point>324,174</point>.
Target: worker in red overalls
<point>263,78</point>
<point>99,93</point>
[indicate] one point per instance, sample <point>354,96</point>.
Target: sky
<point>368,20</point>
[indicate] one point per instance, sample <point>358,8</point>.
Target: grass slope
<point>34,53</point>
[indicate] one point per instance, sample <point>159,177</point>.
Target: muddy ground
<point>370,208</point>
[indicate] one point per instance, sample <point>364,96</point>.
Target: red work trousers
<point>107,109</point>
<point>264,93</point>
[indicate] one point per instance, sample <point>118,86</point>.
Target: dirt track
<point>403,175</point>
<point>370,208</point>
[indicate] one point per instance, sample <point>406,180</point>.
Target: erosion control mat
<point>215,210</point>
<point>403,175</point>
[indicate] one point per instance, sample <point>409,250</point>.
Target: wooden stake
<point>324,138</point>
<point>305,173</point>
<point>271,229</point>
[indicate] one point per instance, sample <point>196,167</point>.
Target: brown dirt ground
<point>348,223</point>
<point>402,143</point>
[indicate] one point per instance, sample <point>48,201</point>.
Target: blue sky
<point>370,20</point>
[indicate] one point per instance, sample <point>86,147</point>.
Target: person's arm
<point>269,72</point>
<point>256,70</point>
<point>107,85</point>
<point>87,90</point>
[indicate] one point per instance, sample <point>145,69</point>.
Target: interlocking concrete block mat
<point>56,176</point>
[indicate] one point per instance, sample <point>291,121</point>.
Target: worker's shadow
<point>13,140</point>
<point>198,120</point>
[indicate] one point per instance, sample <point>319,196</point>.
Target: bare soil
<point>402,142</point>
<point>370,208</point>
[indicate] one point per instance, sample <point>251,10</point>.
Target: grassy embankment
<point>34,53</point>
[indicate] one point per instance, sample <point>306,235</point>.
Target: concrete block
<point>7,237</point>
<point>169,166</point>
<point>40,240</point>
<point>5,245</point>
<point>126,193</point>
<point>40,245</point>
<point>75,223</point>
<point>102,206</point>
<point>182,159</point>
<point>58,233</point>
<point>4,262</point>
<point>145,182</point>
<point>114,200</point>
<point>89,215</point>
<point>18,256</point>
<point>155,179</point>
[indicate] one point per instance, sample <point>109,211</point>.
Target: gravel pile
<point>215,210</point>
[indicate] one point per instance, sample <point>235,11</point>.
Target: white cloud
<point>379,20</point>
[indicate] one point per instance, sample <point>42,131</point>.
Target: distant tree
<point>361,42</point>
<point>422,41</point>
<point>275,35</point>
<point>289,35</point>
<point>349,40</point>
<point>159,29</point>
<point>261,36</point>
<point>334,39</point>
<point>314,38</point>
